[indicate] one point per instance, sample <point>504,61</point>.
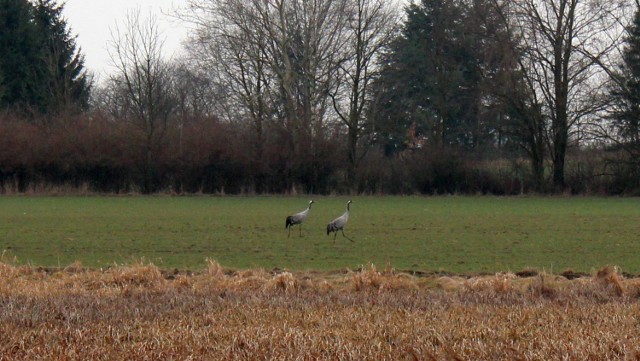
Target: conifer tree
<point>41,70</point>
<point>18,55</point>
<point>626,91</point>
<point>437,77</point>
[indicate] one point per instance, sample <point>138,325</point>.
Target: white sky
<point>91,21</point>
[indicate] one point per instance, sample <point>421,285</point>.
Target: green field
<point>455,234</point>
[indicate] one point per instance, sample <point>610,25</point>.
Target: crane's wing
<point>340,221</point>
<point>299,217</point>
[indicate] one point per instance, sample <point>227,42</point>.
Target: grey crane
<point>339,223</point>
<point>298,218</point>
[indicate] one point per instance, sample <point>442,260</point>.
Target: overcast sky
<point>91,20</point>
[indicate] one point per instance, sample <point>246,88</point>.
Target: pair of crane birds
<point>333,226</point>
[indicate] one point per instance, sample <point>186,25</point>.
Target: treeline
<point>332,96</point>
<point>212,157</point>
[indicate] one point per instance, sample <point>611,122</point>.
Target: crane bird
<point>338,224</point>
<point>298,218</point>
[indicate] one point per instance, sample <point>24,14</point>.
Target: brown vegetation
<point>90,154</point>
<point>140,312</point>
<point>97,152</point>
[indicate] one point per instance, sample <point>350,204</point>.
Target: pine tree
<point>625,120</point>
<point>433,82</point>
<point>41,71</point>
<point>626,92</point>
<point>66,85</point>
<point>410,87</point>
<point>18,55</point>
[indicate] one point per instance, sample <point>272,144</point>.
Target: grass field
<point>453,234</point>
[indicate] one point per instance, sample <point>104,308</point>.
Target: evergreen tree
<point>626,91</point>
<point>67,84</point>
<point>625,96</point>
<point>416,83</point>
<point>438,75</point>
<point>40,69</point>
<point>19,55</point>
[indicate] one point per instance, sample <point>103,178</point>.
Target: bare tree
<point>142,85</point>
<point>370,26</point>
<point>229,43</point>
<point>277,58</point>
<point>565,47</point>
<point>285,48</point>
<point>232,46</point>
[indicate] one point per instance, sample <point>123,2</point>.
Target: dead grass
<point>139,312</point>
<point>611,278</point>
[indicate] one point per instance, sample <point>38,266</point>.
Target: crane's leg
<point>345,236</point>
<point>289,232</point>
<point>300,228</point>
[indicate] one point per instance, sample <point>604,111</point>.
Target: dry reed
<point>139,312</point>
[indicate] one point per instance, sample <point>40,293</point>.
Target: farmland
<point>137,312</point>
<point>451,234</point>
<point>432,278</point>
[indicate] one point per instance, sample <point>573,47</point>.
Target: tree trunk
<point>352,157</point>
<point>559,153</point>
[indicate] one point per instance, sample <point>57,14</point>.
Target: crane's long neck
<point>345,215</point>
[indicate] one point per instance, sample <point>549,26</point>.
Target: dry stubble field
<point>139,312</point>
